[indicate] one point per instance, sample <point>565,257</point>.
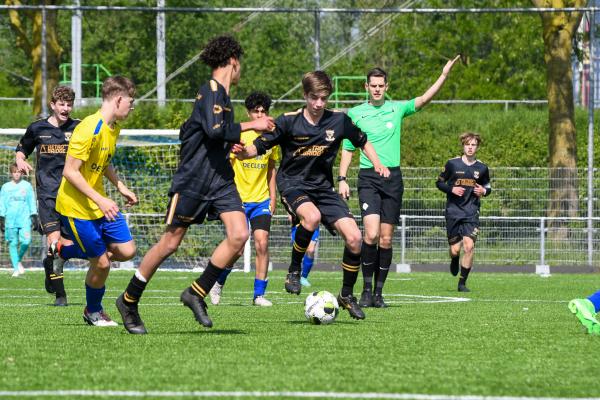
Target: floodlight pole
<point>161,91</point>
<point>76,18</point>
<point>44,66</point>
<point>590,174</point>
<point>317,40</point>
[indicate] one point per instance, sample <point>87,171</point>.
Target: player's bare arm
<point>426,97</point>
<point>130,197</point>
<point>72,173</point>
<point>374,158</point>
<point>343,187</point>
<point>22,164</point>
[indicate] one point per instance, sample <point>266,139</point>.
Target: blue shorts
<point>257,209</point>
<point>314,238</point>
<point>92,236</point>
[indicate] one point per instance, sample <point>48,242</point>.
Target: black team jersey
<point>204,170</point>
<point>51,143</point>
<point>309,151</point>
<point>457,173</point>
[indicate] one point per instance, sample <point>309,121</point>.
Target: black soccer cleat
<point>350,304</point>
<point>61,301</point>
<point>197,305</point>
<point>454,267</point>
<point>292,283</point>
<point>131,317</point>
<point>378,301</point>
<point>366,299</point>
<point>463,288</point>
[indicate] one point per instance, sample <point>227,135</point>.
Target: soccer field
<point>513,336</point>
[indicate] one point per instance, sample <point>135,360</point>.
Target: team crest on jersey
<point>329,135</point>
<point>476,174</point>
<point>68,136</point>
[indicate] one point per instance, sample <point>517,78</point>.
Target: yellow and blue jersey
<point>251,175</point>
<point>94,143</point>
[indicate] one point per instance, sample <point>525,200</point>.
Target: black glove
<point>35,224</point>
<point>2,224</point>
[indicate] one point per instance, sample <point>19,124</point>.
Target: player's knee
<point>126,253</point>
<point>311,220</point>
<point>385,241</point>
<point>169,247</point>
<point>238,237</point>
<point>354,241</point>
<point>468,248</point>
<point>371,237</point>
<point>262,246</point>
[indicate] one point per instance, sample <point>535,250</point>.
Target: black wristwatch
<point>341,178</point>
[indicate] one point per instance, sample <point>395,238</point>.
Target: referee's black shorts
<point>379,195</point>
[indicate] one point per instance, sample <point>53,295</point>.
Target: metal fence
<point>515,229</point>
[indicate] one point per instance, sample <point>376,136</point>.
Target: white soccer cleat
<point>99,318</point>
<point>262,301</point>
<point>21,269</point>
<point>215,293</point>
<point>15,273</point>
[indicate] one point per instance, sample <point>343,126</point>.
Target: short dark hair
<point>316,81</point>
<point>257,99</point>
<point>62,93</point>
<point>219,50</point>
<point>378,72</point>
<point>117,85</point>
<point>13,168</point>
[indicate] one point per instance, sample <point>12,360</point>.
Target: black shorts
<point>261,222</point>
<point>459,228</point>
<point>50,218</point>
<point>185,211</point>
<point>329,203</point>
<point>379,195</point>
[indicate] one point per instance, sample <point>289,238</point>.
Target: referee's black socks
<point>385,260</point>
<point>301,242</point>
<point>369,263</point>
<point>351,266</point>
<point>464,274</point>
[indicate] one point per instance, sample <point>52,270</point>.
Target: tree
<point>559,29</point>
<point>27,26</point>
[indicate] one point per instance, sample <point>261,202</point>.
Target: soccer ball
<point>321,308</point>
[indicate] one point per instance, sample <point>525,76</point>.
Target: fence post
<point>247,256</point>
<point>542,269</point>
<point>403,267</point>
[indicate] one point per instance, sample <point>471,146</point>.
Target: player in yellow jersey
<point>92,219</point>
<point>255,181</point>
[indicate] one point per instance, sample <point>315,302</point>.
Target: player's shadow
<point>296,322</point>
<point>202,331</point>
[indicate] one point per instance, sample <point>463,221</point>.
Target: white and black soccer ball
<point>321,308</point>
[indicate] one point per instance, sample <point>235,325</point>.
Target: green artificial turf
<point>514,336</point>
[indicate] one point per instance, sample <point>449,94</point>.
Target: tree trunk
<point>27,25</point>
<point>558,31</point>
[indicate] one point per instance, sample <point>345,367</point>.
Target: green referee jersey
<point>383,125</point>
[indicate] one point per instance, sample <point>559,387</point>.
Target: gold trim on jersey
<point>298,111</point>
<point>214,86</point>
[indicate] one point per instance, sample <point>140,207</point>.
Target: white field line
<point>259,394</point>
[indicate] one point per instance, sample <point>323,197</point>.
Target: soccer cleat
<point>366,299</point>
<point>378,301</point>
<point>292,283</point>
<point>61,301</point>
<point>131,317</point>
<point>58,262</point>
<point>197,305</point>
<point>463,288</point>
<point>99,318</point>
<point>21,269</point>
<point>350,304</point>
<point>215,293</point>
<point>454,265</point>
<point>585,312</point>
<point>15,273</point>
<point>261,301</point>
<point>304,282</point>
